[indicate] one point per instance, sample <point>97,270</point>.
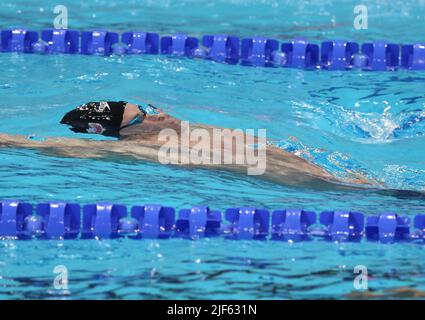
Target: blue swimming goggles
<point>150,109</point>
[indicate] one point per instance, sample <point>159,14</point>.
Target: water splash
<point>339,164</point>
<point>384,124</point>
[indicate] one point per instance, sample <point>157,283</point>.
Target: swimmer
<point>138,128</point>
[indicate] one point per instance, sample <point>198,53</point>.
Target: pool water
<point>371,123</point>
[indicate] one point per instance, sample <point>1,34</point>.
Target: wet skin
<point>141,142</point>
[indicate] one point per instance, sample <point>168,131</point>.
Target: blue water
<point>371,123</point>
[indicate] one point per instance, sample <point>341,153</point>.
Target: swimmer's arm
<point>81,148</point>
<point>282,167</point>
<point>286,168</point>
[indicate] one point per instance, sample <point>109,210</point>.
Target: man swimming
<point>139,138</point>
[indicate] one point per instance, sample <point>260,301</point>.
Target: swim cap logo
<point>103,105</point>
<point>95,128</point>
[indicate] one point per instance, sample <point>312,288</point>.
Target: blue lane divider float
<point>18,40</point>
<point>247,223</point>
<point>155,221</point>
<point>140,42</point>
<point>98,42</point>
<point>381,55</point>
<point>57,220</point>
<point>13,215</point>
<point>179,44</point>
<point>292,225</point>
<point>221,48</point>
<point>388,227</point>
<point>342,225</point>
<point>58,41</point>
<point>258,51</point>
<point>413,56</point>
<point>301,54</point>
<point>61,220</point>
<point>250,51</point>
<point>338,55</point>
<point>198,222</point>
<point>102,220</point>
<point>419,224</point>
